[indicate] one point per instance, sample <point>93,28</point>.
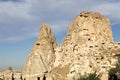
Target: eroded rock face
<point>6,75</point>
<point>10,74</point>
<point>42,56</point>
<point>88,47</point>
<point>89,27</point>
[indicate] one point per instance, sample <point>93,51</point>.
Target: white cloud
<point>22,20</point>
<point>110,10</point>
<point>18,10</point>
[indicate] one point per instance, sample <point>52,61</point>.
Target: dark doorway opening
<point>44,78</point>
<point>13,77</point>
<point>38,78</point>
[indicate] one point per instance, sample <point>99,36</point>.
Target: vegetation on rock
<point>113,72</point>
<point>91,76</point>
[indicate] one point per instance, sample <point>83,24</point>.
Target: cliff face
<point>88,47</point>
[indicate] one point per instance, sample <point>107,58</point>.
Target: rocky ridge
<point>88,47</point>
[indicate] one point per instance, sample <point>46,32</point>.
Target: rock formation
<point>42,56</point>
<point>89,26</point>
<point>10,74</point>
<point>6,75</point>
<point>87,48</point>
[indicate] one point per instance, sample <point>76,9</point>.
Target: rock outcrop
<point>87,48</point>
<point>6,75</point>
<point>10,74</point>
<point>42,56</point>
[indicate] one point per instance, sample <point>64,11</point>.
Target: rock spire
<point>42,56</point>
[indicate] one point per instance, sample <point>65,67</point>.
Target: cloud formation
<point>21,20</point>
<point>10,0</point>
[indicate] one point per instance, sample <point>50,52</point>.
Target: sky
<point>20,22</point>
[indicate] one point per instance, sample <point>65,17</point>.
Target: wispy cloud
<point>22,20</point>
<point>10,0</point>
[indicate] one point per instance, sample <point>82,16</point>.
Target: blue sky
<point>20,22</point>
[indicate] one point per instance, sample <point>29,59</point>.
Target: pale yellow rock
<point>89,26</point>
<point>42,56</point>
<point>9,74</point>
<point>87,48</point>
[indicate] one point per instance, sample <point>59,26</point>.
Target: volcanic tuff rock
<point>10,74</point>
<point>89,27</point>
<point>42,56</point>
<point>6,75</point>
<point>88,47</point>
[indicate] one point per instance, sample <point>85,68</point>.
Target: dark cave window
<point>85,16</point>
<point>89,39</point>
<point>103,66</point>
<point>103,43</point>
<point>118,43</point>
<point>97,58</point>
<point>90,66</point>
<point>98,62</point>
<point>96,17</point>
<point>90,46</point>
<point>81,15</point>
<point>85,29</point>
<point>37,44</point>
<point>102,57</point>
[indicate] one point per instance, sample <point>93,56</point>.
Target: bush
<point>91,76</point>
<point>82,78</point>
<point>113,71</point>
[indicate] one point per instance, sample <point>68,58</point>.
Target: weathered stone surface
<point>6,75</point>
<point>10,74</point>
<point>89,27</point>
<point>88,47</point>
<point>42,56</point>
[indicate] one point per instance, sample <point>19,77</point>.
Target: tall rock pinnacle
<point>46,43</point>
<point>47,35</point>
<point>42,56</point>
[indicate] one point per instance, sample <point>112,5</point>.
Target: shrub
<point>91,76</point>
<point>83,78</point>
<point>113,71</point>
